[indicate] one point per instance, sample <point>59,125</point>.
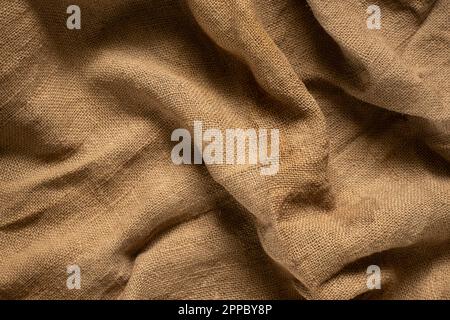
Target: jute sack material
<point>87,179</point>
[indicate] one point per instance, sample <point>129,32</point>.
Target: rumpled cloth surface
<point>86,176</point>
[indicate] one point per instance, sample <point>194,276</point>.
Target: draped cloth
<point>86,176</point>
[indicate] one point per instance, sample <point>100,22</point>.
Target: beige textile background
<point>86,176</point>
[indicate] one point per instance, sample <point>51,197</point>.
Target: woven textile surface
<point>86,170</point>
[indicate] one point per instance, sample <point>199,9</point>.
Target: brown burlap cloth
<point>86,176</point>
